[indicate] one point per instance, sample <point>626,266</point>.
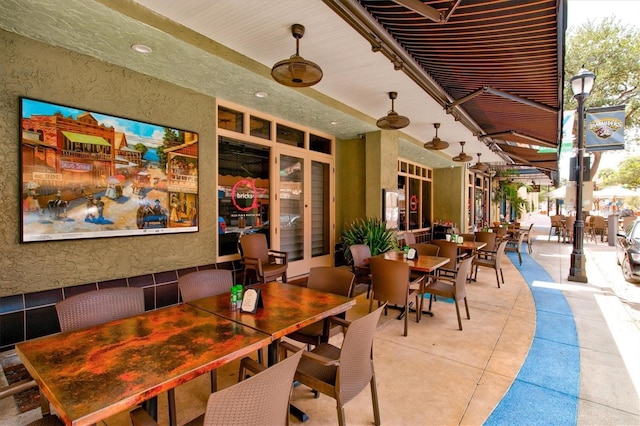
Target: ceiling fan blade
<point>421,9</point>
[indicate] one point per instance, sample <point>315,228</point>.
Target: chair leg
<point>466,307</point>
<point>340,407</point>
<point>519,257</point>
<point>406,319</point>
<point>171,396</point>
<point>497,278</point>
<point>455,300</point>
<point>374,399</point>
<point>502,275</point>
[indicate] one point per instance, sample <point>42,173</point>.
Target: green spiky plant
<point>371,231</point>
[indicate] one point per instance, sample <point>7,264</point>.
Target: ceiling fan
<point>393,120</point>
<point>462,157</point>
<point>436,143</point>
<point>481,167</point>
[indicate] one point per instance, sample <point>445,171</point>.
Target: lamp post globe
<point>581,85</point>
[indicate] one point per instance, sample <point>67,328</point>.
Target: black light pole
<point>581,85</point>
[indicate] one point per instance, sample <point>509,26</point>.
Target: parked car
<point>628,251</point>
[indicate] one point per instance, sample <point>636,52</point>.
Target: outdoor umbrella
<point>560,193</point>
<point>615,192</point>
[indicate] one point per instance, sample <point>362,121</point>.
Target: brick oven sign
<point>84,174</point>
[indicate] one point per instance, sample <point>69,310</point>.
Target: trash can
<point>612,229</point>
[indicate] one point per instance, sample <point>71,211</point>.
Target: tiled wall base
<point>31,315</point>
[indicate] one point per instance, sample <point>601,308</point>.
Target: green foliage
<point>170,139</point>
<point>627,174</point>
<point>371,231</point>
<point>610,50</point>
<point>142,148</point>
<point>508,191</point>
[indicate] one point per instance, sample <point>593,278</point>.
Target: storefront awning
<point>87,139</point>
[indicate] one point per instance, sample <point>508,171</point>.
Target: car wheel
<point>627,272</point>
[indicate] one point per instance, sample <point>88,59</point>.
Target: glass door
<point>305,209</point>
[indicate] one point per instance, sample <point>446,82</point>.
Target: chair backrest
<point>489,238</point>
<point>426,249</point>
<point>99,306</point>
<point>500,253</point>
<point>571,220</point>
<point>588,221</point>
<point>556,220</point>
<point>260,399</point>
<point>409,238</point>
<point>331,280</point>
<point>468,237</point>
<point>461,277</point>
<point>390,280</point>
<point>255,246</point>
<point>209,282</point>
<point>360,252</point>
<point>356,363</point>
<point>599,222</point>
<point>448,249</point>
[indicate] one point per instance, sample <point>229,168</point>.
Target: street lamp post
<point>581,85</point>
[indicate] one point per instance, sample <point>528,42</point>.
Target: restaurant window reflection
<point>415,207</point>
<point>243,192</point>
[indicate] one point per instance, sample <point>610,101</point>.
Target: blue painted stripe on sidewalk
<point>546,388</point>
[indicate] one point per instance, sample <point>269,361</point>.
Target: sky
<point>627,11</point>
<point>582,11</point>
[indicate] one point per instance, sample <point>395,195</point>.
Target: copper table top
<point>287,308</point>
<point>421,264</point>
<point>94,373</point>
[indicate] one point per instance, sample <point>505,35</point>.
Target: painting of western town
<point>89,175</point>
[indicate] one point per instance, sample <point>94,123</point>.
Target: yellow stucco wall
<point>350,182</point>
<point>448,199</point>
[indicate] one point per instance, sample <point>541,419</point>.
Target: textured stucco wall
<point>448,200</point>
<point>52,74</point>
<point>350,183</point>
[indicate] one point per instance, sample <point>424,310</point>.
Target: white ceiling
<point>190,40</point>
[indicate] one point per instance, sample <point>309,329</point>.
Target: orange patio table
<point>90,374</point>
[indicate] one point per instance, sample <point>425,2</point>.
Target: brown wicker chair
<point>360,253</point>
<point>491,239</point>
<point>205,283</point>
<point>390,282</point>
<point>423,250</point>
<point>331,280</point>
<point>261,399</point>
<point>342,373</point>
<point>409,238</point>
<point>514,244</point>
<point>448,249</point>
<point>99,306</point>
<point>267,264</point>
<point>494,262</point>
<point>529,238</point>
<point>453,290</point>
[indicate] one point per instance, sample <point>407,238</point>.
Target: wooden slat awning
<point>499,61</point>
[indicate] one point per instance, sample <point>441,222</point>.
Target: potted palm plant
<point>371,231</point>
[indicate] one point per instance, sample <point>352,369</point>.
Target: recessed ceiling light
<point>333,123</point>
<point>141,48</point>
<point>261,94</point>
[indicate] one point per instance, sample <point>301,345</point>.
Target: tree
<point>170,139</point>
<point>610,50</point>
<point>627,174</point>
<point>142,148</point>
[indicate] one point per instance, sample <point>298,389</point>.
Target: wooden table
<point>94,373</point>
<point>286,308</point>
<point>426,264</point>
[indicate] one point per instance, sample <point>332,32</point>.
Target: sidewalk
<point>606,311</point>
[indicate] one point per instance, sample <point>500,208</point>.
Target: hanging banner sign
<point>604,128</point>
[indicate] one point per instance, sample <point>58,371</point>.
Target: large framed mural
<point>86,174</point>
